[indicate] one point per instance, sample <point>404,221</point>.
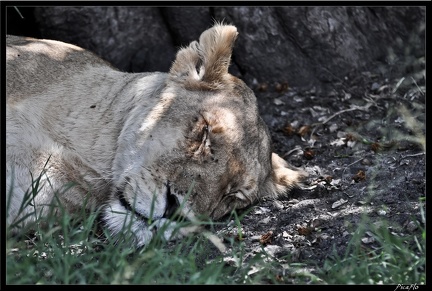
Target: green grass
<point>73,251</point>
<point>393,259</point>
<point>70,253</point>
<point>64,249</point>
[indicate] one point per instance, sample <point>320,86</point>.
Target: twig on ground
<point>343,172</point>
<point>413,155</point>
<point>346,167</point>
<point>297,148</point>
<point>354,107</point>
<point>397,85</point>
<point>420,90</point>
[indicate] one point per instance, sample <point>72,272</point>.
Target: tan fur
<point>127,142</point>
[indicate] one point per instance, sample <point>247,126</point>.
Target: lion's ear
<point>283,178</point>
<point>204,65</point>
<point>216,47</point>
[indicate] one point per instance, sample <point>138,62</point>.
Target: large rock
<point>131,38</point>
<point>316,45</point>
<point>301,46</point>
<point>186,24</point>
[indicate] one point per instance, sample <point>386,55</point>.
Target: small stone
<point>382,212</point>
<point>375,86</point>
<point>272,249</point>
<point>293,201</point>
<point>278,102</point>
<point>255,238</point>
<point>412,226</point>
<point>317,223</point>
<point>286,234</point>
<point>347,96</point>
<point>367,240</point>
<point>339,203</point>
<point>324,236</point>
<point>278,204</point>
<point>265,220</point>
<point>333,127</point>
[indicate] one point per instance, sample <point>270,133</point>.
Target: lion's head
<point>204,138</point>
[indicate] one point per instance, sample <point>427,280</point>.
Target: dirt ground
<point>363,144</point>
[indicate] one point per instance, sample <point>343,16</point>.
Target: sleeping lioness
<point>134,145</point>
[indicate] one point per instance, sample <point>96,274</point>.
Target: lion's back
<point>32,62</point>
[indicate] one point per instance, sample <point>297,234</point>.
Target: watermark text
<point>406,287</point>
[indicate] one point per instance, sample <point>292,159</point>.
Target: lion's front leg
<point>126,225</point>
<point>28,196</point>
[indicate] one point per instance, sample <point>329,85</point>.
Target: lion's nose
<point>172,204</point>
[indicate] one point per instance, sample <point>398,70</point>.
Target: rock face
<point>132,39</point>
<point>299,46</point>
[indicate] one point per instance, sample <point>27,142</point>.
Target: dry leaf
<point>360,176</point>
<point>305,129</point>
<point>266,238</point>
<point>262,87</point>
<point>304,231</point>
<point>375,147</point>
<point>289,130</point>
<point>308,154</point>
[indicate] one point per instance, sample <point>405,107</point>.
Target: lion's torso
<point>68,117</point>
<point>83,134</point>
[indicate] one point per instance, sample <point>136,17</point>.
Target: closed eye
<point>204,147</point>
<point>200,129</point>
<point>206,139</point>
